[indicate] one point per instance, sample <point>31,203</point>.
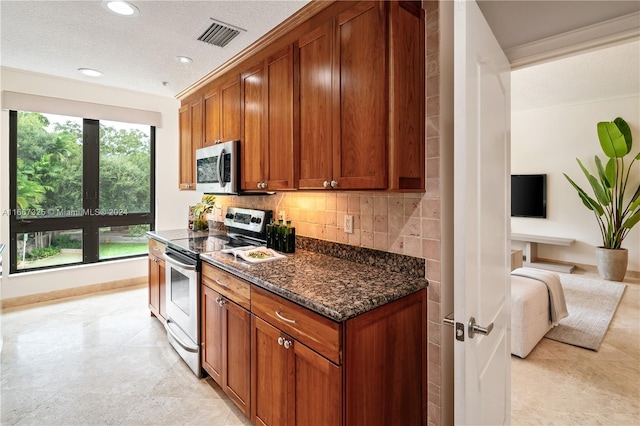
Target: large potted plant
<point>616,203</point>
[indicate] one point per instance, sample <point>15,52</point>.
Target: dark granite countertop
<point>335,288</point>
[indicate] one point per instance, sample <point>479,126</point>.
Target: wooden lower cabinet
<point>292,385</point>
<point>226,346</point>
<point>157,280</point>
<point>284,365</point>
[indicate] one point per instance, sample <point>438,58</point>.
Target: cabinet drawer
<point>309,328</point>
<point>156,248</point>
<point>228,285</point>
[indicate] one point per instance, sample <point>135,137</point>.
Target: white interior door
<point>481,221</point>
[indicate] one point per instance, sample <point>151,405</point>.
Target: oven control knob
<point>258,220</point>
<point>253,219</point>
<point>229,215</point>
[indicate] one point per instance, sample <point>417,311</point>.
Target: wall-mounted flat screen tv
<point>529,195</point>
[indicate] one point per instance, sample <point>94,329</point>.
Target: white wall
<point>549,141</point>
<point>169,201</point>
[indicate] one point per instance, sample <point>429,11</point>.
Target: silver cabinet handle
<point>476,329</point>
<point>279,315</point>
<point>220,283</point>
<point>334,183</point>
<point>220,301</point>
<point>288,344</point>
<point>280,341</point>
<point>326,184</point>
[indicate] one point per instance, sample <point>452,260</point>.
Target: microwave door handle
<point>219,168</point>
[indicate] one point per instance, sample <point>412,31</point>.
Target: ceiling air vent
<point>219,34</point>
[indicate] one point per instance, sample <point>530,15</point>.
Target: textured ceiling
<point>519,22</point>
<point>136,53</point>
<point>608,73</point>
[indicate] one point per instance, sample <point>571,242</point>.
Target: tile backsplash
<point>402,223</point>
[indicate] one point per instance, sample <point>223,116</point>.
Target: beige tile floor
<point>100,360</point>
<point>559,384</point>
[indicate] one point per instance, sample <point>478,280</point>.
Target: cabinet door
<point>407,97</point>
<point>314,55</point>
<point>279,167</point>
<point>315,385</point>
<point>230,109</point>
<point>360,120</point>
<point>154,285</point>
<point>190,140</point>
<point>186,166</point>
<point>237,371</point>
<point>268,375</point>
<point>212,317</point>
<point>211,117</point>
<point>253,142</point>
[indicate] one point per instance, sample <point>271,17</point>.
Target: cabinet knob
<point>280,341</point>
<point>326,184</point>
<point>288,344</point>
<point>334,183</point>
<point>220,301</point>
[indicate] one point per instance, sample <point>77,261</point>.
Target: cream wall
<point>549,141</point>
<point>169,201</point>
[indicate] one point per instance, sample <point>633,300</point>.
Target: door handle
<point>448,320</point>
<point>476,329</point>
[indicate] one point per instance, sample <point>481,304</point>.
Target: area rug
<point>591,304</point>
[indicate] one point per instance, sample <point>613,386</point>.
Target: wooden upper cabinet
<point>191,135</point>
<point>360,95</point>
<point>279,168</point>
<point>253,142</point>
<point>211,117</point>
<point>315,110</point>
<point>222,111</point>
<point>267,145</point>
<point>338,102</point>
<point>407,96</point>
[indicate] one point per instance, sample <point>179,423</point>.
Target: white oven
<point>183,301</point>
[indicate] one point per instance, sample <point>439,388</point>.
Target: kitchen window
<point>82,190</point>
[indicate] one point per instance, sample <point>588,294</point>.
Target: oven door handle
<point>173,261</point>
<point>187,347</point>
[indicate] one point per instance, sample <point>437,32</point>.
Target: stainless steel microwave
<point>217,168</point>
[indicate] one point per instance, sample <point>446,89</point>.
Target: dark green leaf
<point>629,223</point>
<point>588,201</point>
<point>607,183</point>
<point>625,130</point>
<point>601,194</point>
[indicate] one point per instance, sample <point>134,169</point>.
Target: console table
<point>531,251</point>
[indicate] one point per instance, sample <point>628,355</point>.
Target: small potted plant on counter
<point>201,210</point>
<point>616,204</point>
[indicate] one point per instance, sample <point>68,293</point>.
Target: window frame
<point>89,224</point>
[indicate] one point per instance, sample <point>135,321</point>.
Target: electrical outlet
<point>348,224</point>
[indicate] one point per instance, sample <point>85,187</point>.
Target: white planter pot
<point>612,263</point>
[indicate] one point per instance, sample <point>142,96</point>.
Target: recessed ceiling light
<point>183,59</point>
<point>90,72</point>
<point>121,7</point>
